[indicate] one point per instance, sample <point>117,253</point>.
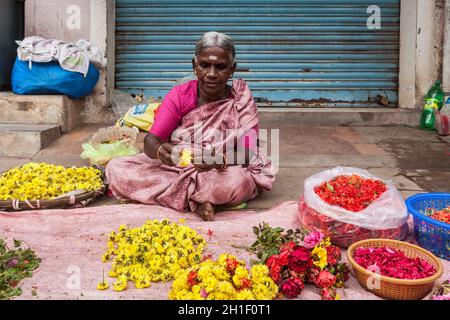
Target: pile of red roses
<point>353,193</point>
<point>393,263</point>
<point>316,262</point>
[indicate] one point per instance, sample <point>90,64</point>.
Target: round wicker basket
<point>82,198</point>
<point>393,288</point>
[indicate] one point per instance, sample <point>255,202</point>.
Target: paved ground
<point>416,160</point>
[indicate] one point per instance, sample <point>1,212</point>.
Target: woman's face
<point>213,69</point>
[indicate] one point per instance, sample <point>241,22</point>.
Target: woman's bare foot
<point>205,211</point>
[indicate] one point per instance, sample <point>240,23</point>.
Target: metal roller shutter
<point>292,53</point>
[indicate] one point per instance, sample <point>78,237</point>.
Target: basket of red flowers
<point>349,205</point>
<point>431,212</point>
<point>394,269</point>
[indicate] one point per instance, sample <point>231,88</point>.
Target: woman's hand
<point>164,154</point>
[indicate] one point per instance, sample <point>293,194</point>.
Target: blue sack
<point>50,78</point>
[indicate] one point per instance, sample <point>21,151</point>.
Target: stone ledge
<point>25,140</point>
<point>339,116</point>
<point>40,109</point>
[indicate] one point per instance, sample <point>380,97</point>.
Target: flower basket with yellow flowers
<point>41,186</point>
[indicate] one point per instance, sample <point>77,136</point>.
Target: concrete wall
<point>421,53</point>
<point>70,20</point>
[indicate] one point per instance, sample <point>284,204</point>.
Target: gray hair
<point>216,39</point>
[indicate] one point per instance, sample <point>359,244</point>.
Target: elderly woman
<point>213,127</point>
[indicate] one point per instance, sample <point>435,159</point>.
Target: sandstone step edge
<point>41,109</point>
<point>26,140</point>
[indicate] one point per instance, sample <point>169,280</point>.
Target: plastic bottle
<point>434,100</point>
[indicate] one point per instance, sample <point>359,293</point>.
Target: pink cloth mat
<point>71,243</point>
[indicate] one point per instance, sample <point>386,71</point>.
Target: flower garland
<point>151,253</point>
<point>38,181</point>
<point>224,279</point>
<point>292,265</point>
<point>353,193</point>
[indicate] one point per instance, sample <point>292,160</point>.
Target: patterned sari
<point>146,180</point>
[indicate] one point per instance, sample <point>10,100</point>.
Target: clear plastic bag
<point>388,211</point>
<point>100,154</point>
<point>344,234</point>
<point>385,217</point>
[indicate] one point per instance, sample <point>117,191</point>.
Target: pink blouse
<point>180,101</point>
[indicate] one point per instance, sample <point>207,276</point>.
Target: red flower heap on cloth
<point>353,193</point>
<point>393,263</point>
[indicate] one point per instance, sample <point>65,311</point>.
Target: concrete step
<point>275,117</point>
<point>40,109</point>
<point>25,140</point>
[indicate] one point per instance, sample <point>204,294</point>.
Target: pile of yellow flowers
<point>224,279</point>
<point>42,181</point>
<point>151,253</point>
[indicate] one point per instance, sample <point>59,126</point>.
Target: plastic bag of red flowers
<point>362,206</point>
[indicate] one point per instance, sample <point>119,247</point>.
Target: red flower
<point>231,264</point>
<point>272,261</point>
<point>328,294</point>
<point>333,255</point>
<point>311,275</point>
<point>325,279</point>
<point>192,278</point>
<point>292,287</point>
<point>246,283</point>
<point>353,193</point>
<point>393,263</point>
<point>287,247</point>
<point>275,272</point>
<point>283,258</point>
<point>299,260</point>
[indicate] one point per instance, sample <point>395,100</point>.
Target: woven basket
<point>83,199</point>
<point>393,288</point>
<point>116,134</point>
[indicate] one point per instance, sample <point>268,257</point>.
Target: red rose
<point>325,279</point>
<point>271,261</point>
<point>283,258</point>
<point>299,260</point>
<point>275,273</point>
<point>311,275</point>
<point>288,246</point>
<point>328,294</point>
<point>292,287</point>
<point>333,255</point>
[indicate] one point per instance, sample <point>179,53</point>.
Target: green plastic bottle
<point>434,100</point>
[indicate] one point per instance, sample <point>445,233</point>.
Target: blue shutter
<point>292,53</point>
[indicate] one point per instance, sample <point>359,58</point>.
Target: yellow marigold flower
<point>321,254</point>
<point>152,252</point>
<point>245,294</point>
<point>325,242</point>
<point>103,285</point>
<point>37,181</point>
<point>185,158</point>
<point>121,283</point>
